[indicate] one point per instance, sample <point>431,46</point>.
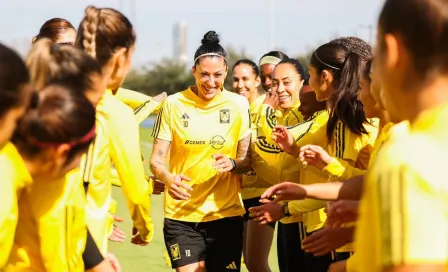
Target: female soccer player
<point>257,239</point>
<point>267,64</point>
<point>338,85</point>
<point>288,79</point>
<point>48,143</point>
<point>203,209</point>
<point>403,192</point>
<point>58,30</point>
<point>108,36</point>
<point>15,93</point>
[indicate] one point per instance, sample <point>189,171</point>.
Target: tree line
<point>172,76</point>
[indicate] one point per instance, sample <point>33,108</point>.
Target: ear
<point>193,69</point>
<point>392,49</point>
<point>60,156</point>
<point>257,81</point>
<point>326,76</point>
<point>121,55</point>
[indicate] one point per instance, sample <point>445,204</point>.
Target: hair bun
<point>210,37</point>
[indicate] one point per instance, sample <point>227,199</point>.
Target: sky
<point>299,25</point>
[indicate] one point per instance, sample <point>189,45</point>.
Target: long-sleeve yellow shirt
<point>51,231</point>
<point>14,179</point>
<point>117,142</point>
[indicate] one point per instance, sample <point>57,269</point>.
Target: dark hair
<point>251,64</point>
<point>13,74</point>
<point>53,29</point>
<point>423,27</point>
<point>59,116</point>
<point>210,44</point>
<point>48,62</point>
<point>277,54</point>
<point>343,102</point>
<point>300,69</point>
<point>103,31</point>
<point>366,70</point>
<point>356,45</point>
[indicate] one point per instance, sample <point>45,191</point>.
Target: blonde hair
<point>49,62</point>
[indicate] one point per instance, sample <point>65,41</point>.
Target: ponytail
<point>343,101</point>
<point>346,67</point>
<point>90,26</point>
<point>104,31</point>
<point>58,115</point>
<point>49,62</point>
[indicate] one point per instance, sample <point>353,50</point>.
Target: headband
<point>85,139</point>
<point>269,60</point>
<point>328,65</point>
<point>209,54</point>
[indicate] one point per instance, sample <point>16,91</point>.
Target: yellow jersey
<point>15,179</point>
<point>274,165</point>
<point>406,195</point>
<point>383,136</point>
<point>117,142</point>
<point>270,117</point>
<point>198,130</point>
<point>249,179</point>
<point>142,104</point>
<point>51,231</point>
<point>349,149</point>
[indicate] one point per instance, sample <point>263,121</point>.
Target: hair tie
<point>269,60</point>
<point>210,54</point>
<point>84,139</point>
<point>328,65</point>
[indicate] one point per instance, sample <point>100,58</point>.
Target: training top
<point>15,179</point>
<point>117,141</point>
<point>197,130</point>
<point>51,231</point>
<point>274,165</point>
<point>250,188</point>
<point>405,196</point>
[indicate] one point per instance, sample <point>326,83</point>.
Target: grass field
<point>150,258</point>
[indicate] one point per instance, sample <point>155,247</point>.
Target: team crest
<point>175,252</point>
<point>224,116</point>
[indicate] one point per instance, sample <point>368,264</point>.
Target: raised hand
<point>314,155</point>
<point>285,140</point>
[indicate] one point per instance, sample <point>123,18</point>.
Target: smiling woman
<point>203,220</point>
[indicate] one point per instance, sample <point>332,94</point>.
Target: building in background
<point>180,42</point>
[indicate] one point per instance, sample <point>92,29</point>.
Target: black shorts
<point>253,202</point>
<point>219,243</point>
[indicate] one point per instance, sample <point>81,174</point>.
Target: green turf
<point>151,257</point>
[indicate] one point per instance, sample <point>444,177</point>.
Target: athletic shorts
<point>253,202</point>
<point>219,243</point>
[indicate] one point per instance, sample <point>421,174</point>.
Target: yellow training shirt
<point>249,179</point>
<point>404,206</point>
<point>383,136</point>
<point>276,166</point>
<point>117,142</point>
<point>198,130</point>
<point>142,105</point>
<point>51,231</point>
<point>14,179</point>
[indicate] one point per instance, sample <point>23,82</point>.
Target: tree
<point>233,55</point>
<point>165,76</point>
<point>172,76</point>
